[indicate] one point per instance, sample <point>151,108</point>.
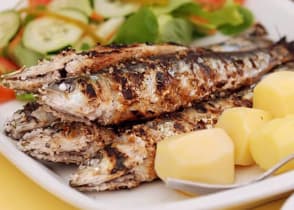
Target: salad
<point>45,27</point>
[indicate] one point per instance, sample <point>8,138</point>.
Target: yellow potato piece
<point>273,142</point>
<point>203,156</point>
<point>239,123</point>
<point>275,94</point>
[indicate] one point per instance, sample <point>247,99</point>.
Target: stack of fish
<point>104,110</point>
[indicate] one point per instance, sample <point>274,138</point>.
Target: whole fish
<point>34,116</point>
<point>74,142</point>
<point>69,63</point>
<point>129,160</point>
<point>122,157</point>
<point>144,88</point>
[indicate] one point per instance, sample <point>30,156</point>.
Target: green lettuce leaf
<point>26,97</point>
<point>177,30</point>
<point>172,5</point>
<point>248,20</point>
<point>139,27</point>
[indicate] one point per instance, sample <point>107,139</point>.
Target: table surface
<point>17,192</point>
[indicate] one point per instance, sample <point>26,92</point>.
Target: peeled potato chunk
<point>202,156</point>
<point>275,94</point>
<point>273,142</point>
<point>239,123</point>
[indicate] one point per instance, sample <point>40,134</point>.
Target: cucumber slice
<point>81,5</point>
<point>74,14</point>
<point>48,34</point>
<point>85,43</point>
<point>110,8</point>
<point>108,29</point>
<point>9,24</point>
<point>25,57</point>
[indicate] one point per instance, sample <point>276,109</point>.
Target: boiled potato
<point>239,123</point>
<point>203,156</point>
<point>275,94</point>
<point>273,142</point>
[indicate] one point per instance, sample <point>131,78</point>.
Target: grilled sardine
<point>129,160</point>
<point>69,63</point>
<point>143,88</point>
<point>74,142</point>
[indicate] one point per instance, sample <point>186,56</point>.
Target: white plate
<point>278,17</point>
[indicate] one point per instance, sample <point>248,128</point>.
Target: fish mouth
<point>62,142</point>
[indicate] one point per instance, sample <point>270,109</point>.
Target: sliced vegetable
<point>34,3</point>
<point>6,65</point>
<point>96,17</point>
<point>172,5</point>
<point>176,30</point>
<point>87,29</point>
<point>9,22</point>
<point>85,43</point>
<point>26,97</point>
<point>247,22</point>
<point>140,27</point>
<point>110,8</point>
<point>24,56</point>
<point>81,5</point>
<point>73,13</point>
<point>48,34</point>
<point>228,14</point>
<point>109,28</point>
<point>6,94</point>
<point>149,2</point>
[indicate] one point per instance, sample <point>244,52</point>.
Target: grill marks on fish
<point>139,144</point>
<point>148,87</point>
<point>69,63</point>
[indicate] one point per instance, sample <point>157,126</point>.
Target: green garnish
<point>26,97</point>
<point>140,27</point>
<point>235,29</point>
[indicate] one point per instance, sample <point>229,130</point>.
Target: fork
<point>203,188</point>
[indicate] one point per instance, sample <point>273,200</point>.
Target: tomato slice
<point>34,3</point>
<point>6,65</point>
<point>6,94</point>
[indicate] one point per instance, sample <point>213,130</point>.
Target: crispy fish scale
<point>70,63</point>
<point>129,160</point>
<point>146,88</point>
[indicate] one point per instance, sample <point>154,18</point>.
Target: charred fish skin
<point>146,88</point>
<point>63,142</point>
<point>132,154</point>
<point>32,116</point>
<point>48,143</point>
<point>70,63</point>
<point>67,142</point>
<point>251,39</point>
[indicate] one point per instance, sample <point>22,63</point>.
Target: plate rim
<point>49,181</point>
